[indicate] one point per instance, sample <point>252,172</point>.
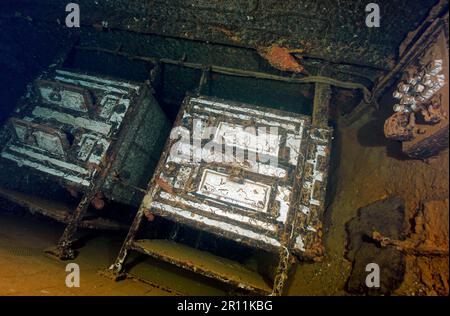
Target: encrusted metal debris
<point>58,131</point>
<point>420,120</point>
<point>419,88</point>
<point>77,131</point>
<point>250,174</point>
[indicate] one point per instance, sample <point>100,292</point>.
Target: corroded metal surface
<point>399,126</point>
<point>57,130</point>
<point>333,30</point>
<point>205,263</point>
<point>308,226</point>
<point>421,118</point>
<point>321,108</point>
<point>84,133</point>
<point>245,200</point>
<point>271,196</point>
<point>56,210</point>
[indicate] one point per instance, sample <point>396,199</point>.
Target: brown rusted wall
<point>333,33</point>
<point>330,29</point>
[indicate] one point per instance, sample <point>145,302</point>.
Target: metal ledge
<point>58,211</point>
<point>206,263</point>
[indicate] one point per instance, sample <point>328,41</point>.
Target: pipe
<point>239,72</point>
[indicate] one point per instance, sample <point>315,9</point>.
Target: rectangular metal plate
<point>248,194</point>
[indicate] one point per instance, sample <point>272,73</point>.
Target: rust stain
<point>149,215</point>
<point>91,166</point>
<point>98,202</point>
<point>228,33</point>
<point>73,192</point>
<point>281,58</point>
<point>164,186</point>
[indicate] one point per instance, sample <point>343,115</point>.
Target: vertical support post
<point>282,271</point>
<point>322,96</point>
<point>64,249</point>
<point>117,267</point>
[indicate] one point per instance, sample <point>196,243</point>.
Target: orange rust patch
<point>164,185</point>
<point>230,34</point>
<point>280,58</point>
<point>93,166</point>
<point>149,215</point>
<point>98,202</point>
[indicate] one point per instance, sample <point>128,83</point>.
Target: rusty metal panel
<point>80,137</point>
<point>235,170</point>
<point>66,123</point>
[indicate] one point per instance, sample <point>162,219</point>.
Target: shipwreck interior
<point>224,147</point>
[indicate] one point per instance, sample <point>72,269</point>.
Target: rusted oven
<point>250,174</point>
<point>96,137</point>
